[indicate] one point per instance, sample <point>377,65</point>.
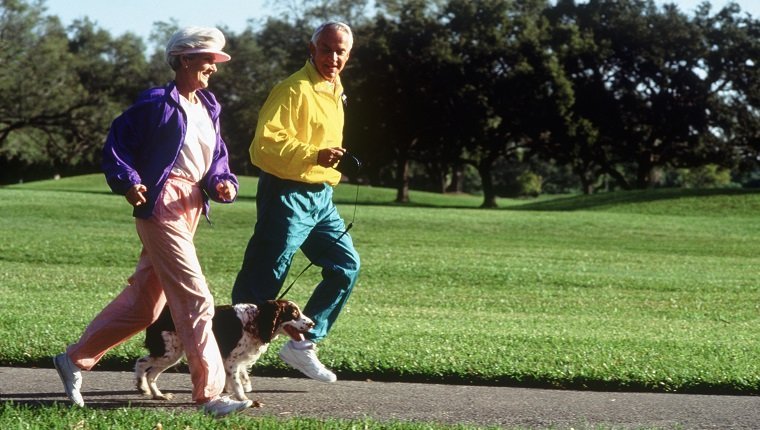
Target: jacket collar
<point>205,96</point>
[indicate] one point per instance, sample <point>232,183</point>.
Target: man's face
<point>330,54</point>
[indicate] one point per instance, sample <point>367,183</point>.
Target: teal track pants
<point>292,215</point>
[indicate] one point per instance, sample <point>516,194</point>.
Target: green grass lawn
<point>654,290</point>
<point>21,417</point>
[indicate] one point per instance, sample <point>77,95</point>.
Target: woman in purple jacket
<point>165,154</point>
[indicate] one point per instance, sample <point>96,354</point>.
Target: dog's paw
<point>143,388</point>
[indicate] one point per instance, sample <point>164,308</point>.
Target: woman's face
<point>330,53</point>
<point>196,70</point>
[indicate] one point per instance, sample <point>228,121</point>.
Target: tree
<point>654,89</point>
<point>58,96</point>
<point>111,73</point>
<point>36,83</point>
<point>507,85</point>
<point>392,104</point>
<point>729,62</point>
<point>665,101</point>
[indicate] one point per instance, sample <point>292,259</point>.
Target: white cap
<point>197,40</point>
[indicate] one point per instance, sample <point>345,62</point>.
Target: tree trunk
<point>402,178</point>
<point>457,179</point>
<point>645,171</point>
<point>587,179</point>
<point>441,181</point>
<point>587,185</point>
<point>437,175</point>
<point>489,194</point>
<point>619,178</point>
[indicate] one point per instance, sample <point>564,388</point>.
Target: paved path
<point>484,406</point>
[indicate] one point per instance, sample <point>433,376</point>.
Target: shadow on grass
<point>617,198</point>
<point>366,198</point>
<point>567,204</point>
<point>60,189</point>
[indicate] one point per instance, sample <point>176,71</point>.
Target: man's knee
<point>344,274</point>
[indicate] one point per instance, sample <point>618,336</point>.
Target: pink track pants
<point>168,272</point>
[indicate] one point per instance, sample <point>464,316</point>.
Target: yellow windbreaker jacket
<point>303,114</point>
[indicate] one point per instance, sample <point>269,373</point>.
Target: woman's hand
<point>226,190</point>
<point>135,195</point>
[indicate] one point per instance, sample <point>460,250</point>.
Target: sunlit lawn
<point>648,291</point>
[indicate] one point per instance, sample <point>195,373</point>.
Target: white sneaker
<point>71,376</point>
<point>222,406</point>
<point>307,362</point>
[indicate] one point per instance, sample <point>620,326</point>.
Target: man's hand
<point>226,190</point>
<point>327,157</point>
<point>135,195</point>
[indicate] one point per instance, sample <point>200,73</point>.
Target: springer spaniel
<point>243,332</point>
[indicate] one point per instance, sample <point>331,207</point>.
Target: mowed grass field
<point>654,290</point>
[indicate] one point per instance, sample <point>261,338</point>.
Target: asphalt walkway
<point>385,401</point>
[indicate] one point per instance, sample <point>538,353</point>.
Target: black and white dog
<point>243,332</point>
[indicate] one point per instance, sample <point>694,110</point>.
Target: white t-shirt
<point>200,140</point>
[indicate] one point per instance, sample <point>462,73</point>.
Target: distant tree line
<point>498,97</point>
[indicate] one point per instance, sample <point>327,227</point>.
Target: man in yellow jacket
<point>297,145</point>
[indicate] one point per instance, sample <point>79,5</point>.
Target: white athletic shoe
<point>71,376</point>
<point>307,362</point>
<point>222,406</point>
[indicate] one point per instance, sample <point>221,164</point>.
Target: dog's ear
<point>269,314</point>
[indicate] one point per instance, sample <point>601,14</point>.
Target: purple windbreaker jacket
<point>144,142</point>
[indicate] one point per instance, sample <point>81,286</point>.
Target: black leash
<point>348,227</point>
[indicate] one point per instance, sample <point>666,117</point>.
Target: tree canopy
<point>495,96</point>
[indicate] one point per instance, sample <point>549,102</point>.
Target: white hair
<point>333,25</point>
<point>193,40</point>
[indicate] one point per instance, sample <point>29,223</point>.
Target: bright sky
<point>138,16</point>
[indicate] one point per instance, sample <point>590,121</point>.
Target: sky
<point>138,16</point>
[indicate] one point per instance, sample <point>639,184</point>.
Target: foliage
<point>610,92</point>
<point>61,88</point>
<point>530,184</point>
<point>708,176</point>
